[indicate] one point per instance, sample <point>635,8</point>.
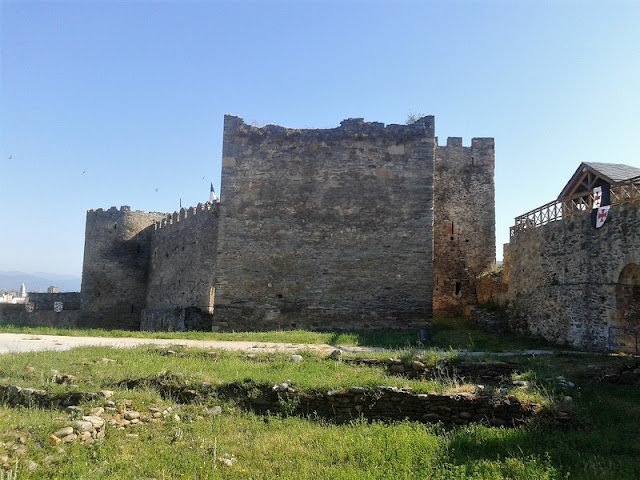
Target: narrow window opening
<point>132,308</point>
<point>457,289</point>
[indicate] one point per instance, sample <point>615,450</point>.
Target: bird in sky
<point>156,189</point>
<point>11,156</point>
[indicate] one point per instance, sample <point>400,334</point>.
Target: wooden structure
<point>577,196</point>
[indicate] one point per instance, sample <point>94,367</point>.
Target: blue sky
<point>102,103</point>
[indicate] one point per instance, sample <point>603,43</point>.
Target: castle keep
<point>359,226</point>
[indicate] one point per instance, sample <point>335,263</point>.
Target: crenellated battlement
<point>115,211</point>
<point>476,143</point>
<point>185,213</point>
<point>122,209</point>
<point>456,155</point>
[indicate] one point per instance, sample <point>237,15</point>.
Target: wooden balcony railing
<point>621,192</point>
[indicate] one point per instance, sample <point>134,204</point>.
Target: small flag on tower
<point>212,196</point>
<point>597,197</point>
<point>601,204</point>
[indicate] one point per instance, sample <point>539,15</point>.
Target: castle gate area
<point>624,335</point>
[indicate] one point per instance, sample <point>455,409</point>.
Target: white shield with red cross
<point>597,197</point>
<point>602,215</point>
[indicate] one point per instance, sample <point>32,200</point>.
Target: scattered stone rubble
<point>87,430</point>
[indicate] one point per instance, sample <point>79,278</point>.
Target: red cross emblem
<point>597,197</point>
<point>601,217</point>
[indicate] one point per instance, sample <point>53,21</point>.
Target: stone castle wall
<point>326,228</point>
<point>570,282</point>
<point>183,256</point>
<point>116,267</point>
<point>464,222</point>
<point>318,228</point>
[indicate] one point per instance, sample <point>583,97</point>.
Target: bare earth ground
<point>20,342</point>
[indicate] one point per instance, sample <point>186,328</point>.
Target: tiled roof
<point>605,172</point>
<point>617,172</point>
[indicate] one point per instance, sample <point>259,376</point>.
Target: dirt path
<point>23,342</point>
<point>20,342</point>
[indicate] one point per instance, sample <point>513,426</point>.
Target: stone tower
<point>116,267</point>
<point>327,228</point>
<point>464,222</point>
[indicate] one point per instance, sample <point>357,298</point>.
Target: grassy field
<point>192,442</point>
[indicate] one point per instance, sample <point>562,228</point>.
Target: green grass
<point>447,333</point>
<point>601,445</point>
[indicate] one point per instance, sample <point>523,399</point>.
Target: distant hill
<point>38,281</point>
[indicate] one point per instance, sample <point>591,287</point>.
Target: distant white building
<point>15,297</point>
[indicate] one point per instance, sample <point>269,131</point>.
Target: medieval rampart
<point>183,257</point>
<point>464,222</point>
<point>326,228</point>
<point>322,228</point>
<point>116,267</point>
<point>570,282</point>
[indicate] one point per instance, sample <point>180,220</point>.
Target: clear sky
<point>122,102</point>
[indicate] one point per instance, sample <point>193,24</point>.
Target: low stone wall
<point>390,404</point>
<point>43,313</point>
<point>386,404</point>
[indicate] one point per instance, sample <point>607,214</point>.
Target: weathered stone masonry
<point>183,259</point>
<point>115,270</point>
<point>325,228</point>
<point>43,313</point>
<point>464,222</point>
<point>567,279</point>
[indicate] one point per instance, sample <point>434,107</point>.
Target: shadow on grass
<point>446,333</point>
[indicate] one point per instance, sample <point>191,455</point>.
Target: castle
<point>359,226</point>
